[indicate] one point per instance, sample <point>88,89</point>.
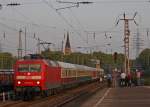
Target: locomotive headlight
<point>19,82</point>
<point>38,82</point>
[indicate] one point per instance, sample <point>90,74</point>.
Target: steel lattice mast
<point>126,41</point>
<point>126,45</point>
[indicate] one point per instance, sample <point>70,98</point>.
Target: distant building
<point>67,50</point>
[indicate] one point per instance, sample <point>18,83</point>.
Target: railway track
<point>81,94</point>
<point>59,99</point>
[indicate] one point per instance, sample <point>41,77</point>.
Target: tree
<point>6,60</point>
<point>85,59</point>
<point>144,59</point>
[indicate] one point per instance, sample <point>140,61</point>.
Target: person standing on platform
<point>138,76</point>
<point>114,78</point>
<point>128,80</point>
<point>122,81</point>
<point>109,80</point>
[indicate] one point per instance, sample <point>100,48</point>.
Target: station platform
<point>120,97</point>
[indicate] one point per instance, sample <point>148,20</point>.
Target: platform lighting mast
<point>25,34</point>
<point>38,46</point>
<point>20,45</point>
<point>126,40</point>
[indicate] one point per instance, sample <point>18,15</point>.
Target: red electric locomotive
<point>44,77</point>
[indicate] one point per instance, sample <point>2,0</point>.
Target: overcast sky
<point>40,17</point>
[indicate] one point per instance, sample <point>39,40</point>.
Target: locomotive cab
<point>28,77</point>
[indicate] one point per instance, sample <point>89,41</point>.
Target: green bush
<point>147,81</point>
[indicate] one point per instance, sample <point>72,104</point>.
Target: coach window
<point>65,72</point>
<point>23,68</point>
<point>35,68</point>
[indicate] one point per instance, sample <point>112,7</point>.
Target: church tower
<point>67,46</point>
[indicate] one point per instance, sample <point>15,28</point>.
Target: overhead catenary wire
<point>28,23</point>
<point>62,17</point>
<point>36,2</point>
<point>34,24</point>
<point>110,30</point>
<point>77,20</point>
<point>13,47</point>
<point>31,21</point>
<point>95,2</point>
<point>120,1</point>
<point>16,30</point>
<point>80,24</point>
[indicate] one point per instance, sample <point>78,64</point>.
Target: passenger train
<point>34,76</point>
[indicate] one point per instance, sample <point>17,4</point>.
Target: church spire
<point>67,46</point>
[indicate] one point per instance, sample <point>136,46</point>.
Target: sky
<point>90,26</point>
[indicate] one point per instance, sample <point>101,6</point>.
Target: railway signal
<point>115,55</point>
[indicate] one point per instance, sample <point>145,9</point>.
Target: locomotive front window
<point>29,68</point>
<point>23,68</point>
<point>35,68</point>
